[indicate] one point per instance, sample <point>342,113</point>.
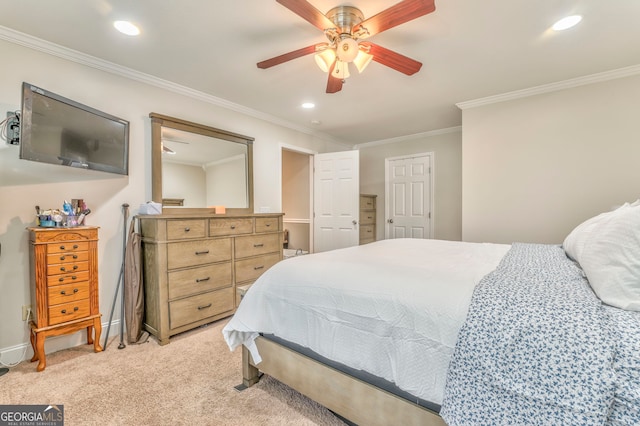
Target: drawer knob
<point>61,257</point>
<point>233,227</point>
<point>268,225</point>
<point>64,311</point>
<point>187,229</point>
<point>75,246</point>
<point>204,307</point>
<point>61,247</point>
<point>258,245</point>
<point>62,268</point>
<point>257,268</point>
<point>75,256</point>
<point>199,280</point>
<point>63,292</point>
<point>202,252</point>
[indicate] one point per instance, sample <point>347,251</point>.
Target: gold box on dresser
<point>64,285</point>
<point>192,265</point>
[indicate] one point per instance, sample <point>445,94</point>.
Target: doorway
<point>297,199</point>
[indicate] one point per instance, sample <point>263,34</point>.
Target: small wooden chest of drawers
<point>367,218</point>
<point>64,285</point>
<point>193,265</point>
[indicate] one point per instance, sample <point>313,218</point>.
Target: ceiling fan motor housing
<point>345,17</point>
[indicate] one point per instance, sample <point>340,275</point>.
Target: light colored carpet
<point>189,381</point>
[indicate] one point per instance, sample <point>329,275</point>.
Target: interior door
<point>336,200</point>
<point>408,197</point>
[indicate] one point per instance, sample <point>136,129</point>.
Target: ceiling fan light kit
<point>344,27</point>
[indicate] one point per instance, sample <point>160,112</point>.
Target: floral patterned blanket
<point>539,348</point>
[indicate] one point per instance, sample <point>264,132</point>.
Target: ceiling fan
<point>345,27</point>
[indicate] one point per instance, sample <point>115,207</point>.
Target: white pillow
<point>610,257</point>
<point>574,242</point>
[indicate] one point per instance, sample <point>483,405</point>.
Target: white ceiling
<point>470,49</point>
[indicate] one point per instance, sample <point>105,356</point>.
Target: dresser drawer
<point>66,247</point>
<point>67,293</point>
<point>77,256</point>
<point>257,244</point>
<point>367,203</point>
<point>230,226</point>
<point>252,268</point>
<point>267,224</point>
<point>194,253</point>
<point>184,229</point>
<point>367,218</point>
<point>197,280</point>
<point>53,280</point>
<point>195,308</point>
<point>68,311</point>
<point>66,268</point>
<point>366,232</point>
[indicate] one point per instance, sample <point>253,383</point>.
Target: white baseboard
<point>15,354</point>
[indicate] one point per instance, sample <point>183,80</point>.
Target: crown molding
<point>552,87</point>
<point>53,49</point>
<point>428,134</point>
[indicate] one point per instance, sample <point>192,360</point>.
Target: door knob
<point>354,222</point>
<point>390,221</point>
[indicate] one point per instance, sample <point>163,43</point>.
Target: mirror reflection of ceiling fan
<point>345,28</point>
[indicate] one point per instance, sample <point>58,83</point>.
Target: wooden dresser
<point>367,218</point>
<point>64,285</point>
<point>193,264</point>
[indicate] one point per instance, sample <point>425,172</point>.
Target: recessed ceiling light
<point>126,27</point>
<point>566,23</point>
<point>308,105</point>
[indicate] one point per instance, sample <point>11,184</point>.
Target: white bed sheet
<point>392,308</point>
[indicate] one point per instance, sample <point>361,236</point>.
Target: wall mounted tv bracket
<point>13,128</point>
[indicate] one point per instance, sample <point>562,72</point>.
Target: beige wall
<point>24,184</point>
<point>447,178</point>
<point>534,168</point>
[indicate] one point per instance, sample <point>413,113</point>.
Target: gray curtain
<point>133,286</point>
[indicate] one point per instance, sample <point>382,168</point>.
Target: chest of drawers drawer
<point>196,308</point>
<point>67,247</point>
<point>230,226</point>
<point>257,244</point>
<point>185,229</point>
<point>68,293</point>
<point>367,218</point>
<point>253,267</point>
<point>198,280</point>
<point>66,268</point>
<point>194,253</point>
<point>68,311</point>
<point>75,256</point>
<point>74,277</point>
<point>267,224</point>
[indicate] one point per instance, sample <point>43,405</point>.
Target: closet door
<point>336,200</point>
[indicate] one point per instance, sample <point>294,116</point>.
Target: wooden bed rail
<point>351,398</point>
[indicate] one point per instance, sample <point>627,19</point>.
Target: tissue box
<point>151,208</point>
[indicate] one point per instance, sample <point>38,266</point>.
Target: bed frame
<point>351,398</point>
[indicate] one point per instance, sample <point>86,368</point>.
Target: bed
<point>427,332</point>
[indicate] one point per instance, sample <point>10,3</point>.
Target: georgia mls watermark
<point>31,415</point>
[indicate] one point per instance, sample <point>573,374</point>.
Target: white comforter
<point>392,308</point>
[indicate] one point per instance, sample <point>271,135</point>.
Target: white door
<point>336,186</point>
<point>408,197</point>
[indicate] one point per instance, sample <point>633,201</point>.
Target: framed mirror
<point>195,167</point>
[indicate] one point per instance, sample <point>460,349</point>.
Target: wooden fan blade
<point>392,59</point>
<point>333,84</point>
<point>309,13</point>
<point>397,14</point>
<point>291,55</point>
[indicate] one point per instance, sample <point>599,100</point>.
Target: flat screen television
<point>57,130</point>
